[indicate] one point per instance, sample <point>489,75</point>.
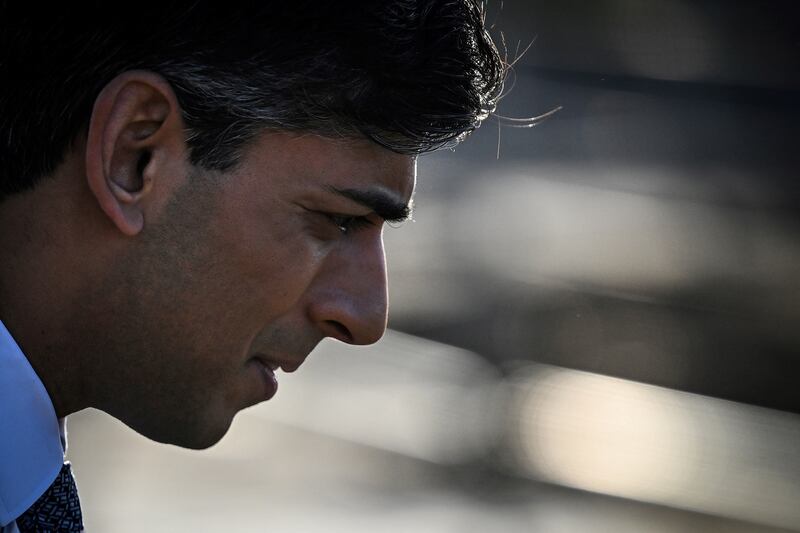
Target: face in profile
<point>243,273</point>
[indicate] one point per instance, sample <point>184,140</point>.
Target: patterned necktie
<point>57,510</point>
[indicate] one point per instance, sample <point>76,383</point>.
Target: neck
<point>38,285</point>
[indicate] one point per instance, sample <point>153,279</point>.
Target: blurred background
<point>595,322</point>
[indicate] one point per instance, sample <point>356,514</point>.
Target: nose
<point>350,296</point>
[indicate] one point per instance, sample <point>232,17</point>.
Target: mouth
<point>274,363</point>
<point>268,378</point>
<point>267,366</point>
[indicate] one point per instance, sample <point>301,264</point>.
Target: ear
<point>135,136</point>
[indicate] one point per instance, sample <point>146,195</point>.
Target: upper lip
<point>285,364</point>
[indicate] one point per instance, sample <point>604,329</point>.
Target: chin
<point>197,442</point>
<point>198,435</point>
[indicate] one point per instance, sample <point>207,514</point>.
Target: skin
<point>146,287</point>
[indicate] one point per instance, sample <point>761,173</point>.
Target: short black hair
<point>411,75</point>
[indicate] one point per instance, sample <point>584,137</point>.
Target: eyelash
<point>347,224</point>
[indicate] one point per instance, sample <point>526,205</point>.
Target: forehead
<point>305,162</point>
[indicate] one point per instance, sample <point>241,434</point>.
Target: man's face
<point>242,269</point>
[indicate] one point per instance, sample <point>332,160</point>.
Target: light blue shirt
<point>31,447</point>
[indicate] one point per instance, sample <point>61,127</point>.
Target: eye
<point>347,224</point>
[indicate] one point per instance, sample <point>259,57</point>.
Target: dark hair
<point>412,75</point>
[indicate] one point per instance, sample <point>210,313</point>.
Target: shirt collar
<point>31,452</point>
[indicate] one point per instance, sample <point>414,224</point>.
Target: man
<point>194,198</point>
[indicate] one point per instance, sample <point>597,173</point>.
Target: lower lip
<point>269,379</point>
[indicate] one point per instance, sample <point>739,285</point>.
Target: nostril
<point>342,333</point>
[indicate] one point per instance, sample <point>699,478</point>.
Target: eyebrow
<point>382,203</point>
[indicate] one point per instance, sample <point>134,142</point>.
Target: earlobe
<point>134,131</point>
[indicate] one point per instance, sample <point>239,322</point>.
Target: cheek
<point>271,269</point>
<point>266,254</point>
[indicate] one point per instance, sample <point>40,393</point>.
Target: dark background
<point>691,107</point>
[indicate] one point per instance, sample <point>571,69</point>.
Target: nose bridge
<point>352,305</point>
